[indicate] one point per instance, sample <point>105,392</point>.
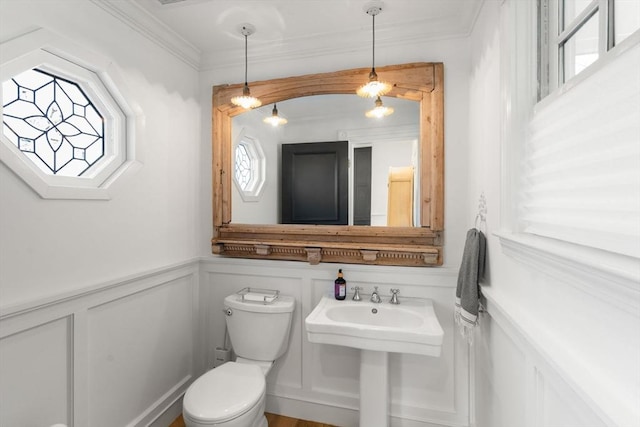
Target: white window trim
<point>551,68</point>
<point>258,164</point>
<point>99,76</point>
<point>559,37</point>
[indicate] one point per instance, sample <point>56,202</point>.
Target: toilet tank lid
<point>224,393</point>
<point>284,304</point>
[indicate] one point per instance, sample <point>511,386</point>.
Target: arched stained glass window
<point>52,122</point>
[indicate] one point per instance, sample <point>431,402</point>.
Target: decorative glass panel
<point>52,122</point>
<point>626,18</point>
<point>581,49</point>
<point>244,172</point>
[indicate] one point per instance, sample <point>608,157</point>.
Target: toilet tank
<point>259,331</point>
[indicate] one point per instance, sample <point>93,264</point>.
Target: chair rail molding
<point>611,277</point>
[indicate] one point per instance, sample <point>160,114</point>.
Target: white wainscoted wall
<point>321,382</point>
<point>99,302</point>
<point>118,354</point>
<point>559,345</point>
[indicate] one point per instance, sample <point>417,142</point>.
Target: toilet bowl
<point>234,394</point>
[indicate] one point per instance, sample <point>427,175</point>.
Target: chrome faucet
<point>356,293</point>
<point>394,296</point>
<point>374,295</point>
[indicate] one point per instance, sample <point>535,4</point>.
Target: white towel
<point>467,291</point>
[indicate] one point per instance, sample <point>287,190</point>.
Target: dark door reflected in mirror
<point>314,183</point>
<point>362,186</point>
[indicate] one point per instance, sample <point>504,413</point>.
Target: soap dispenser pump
<point>340,287</point>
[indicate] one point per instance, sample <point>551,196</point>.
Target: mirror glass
<point>389,143</point>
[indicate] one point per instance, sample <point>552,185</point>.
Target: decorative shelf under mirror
<point>409,246</point>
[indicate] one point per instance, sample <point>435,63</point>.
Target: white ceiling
<point>206,34</point>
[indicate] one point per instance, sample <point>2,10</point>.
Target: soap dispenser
<point>340,287</point>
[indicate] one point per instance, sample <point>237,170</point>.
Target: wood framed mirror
<point>408,246</point>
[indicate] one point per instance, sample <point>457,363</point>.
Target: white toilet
<point>233,394</point>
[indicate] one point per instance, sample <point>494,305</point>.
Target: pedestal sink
<point>376,329</point>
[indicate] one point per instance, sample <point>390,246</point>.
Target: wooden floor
<point>273,420</point>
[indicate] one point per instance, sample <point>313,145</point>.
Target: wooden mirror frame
<point>408,246</point>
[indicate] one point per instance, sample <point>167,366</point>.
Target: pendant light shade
<point>275,120</point>
<point>374,87</point>
<point>246,101</point>
<point>379,110</point>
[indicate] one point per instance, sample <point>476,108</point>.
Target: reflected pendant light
<point>374,87</point>
<point>274,119</point>
<point>246,101</point>
<point>379,110</point>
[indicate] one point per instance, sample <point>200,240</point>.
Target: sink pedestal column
<point>374,388</point>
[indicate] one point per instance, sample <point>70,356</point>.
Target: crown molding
<point>138,19</point>
<point>314,45</point>
<point>343,42</point>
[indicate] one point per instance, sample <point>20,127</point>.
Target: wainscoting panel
<point>514,385</point>
<point>35,375</point>
<point>142,343</point>
<point>500,377</point>
<point>559,405</point>
<point>321,382</point>
<point>117,354</point>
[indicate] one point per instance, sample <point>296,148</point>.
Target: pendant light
<point>275,120</point>
<point>379,111</point>
<point>374,87</point>
<point>246,101</point>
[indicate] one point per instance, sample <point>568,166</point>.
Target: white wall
<point>98,298</point>
<point>50,246</point>
<point>428,392</point>
<point>559,343</point>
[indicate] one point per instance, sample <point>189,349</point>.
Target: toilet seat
<point>224,393</point>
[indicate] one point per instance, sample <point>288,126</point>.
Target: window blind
<point>582,160</point>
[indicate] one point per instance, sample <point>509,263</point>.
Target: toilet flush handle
<point>227,311</point>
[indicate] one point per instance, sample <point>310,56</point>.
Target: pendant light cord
<point>245,60</point>
<point>373,27</point>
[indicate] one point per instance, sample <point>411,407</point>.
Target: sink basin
<point>409,327</point>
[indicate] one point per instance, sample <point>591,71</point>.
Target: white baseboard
<point>312,411</point>
<point>169,415</point>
